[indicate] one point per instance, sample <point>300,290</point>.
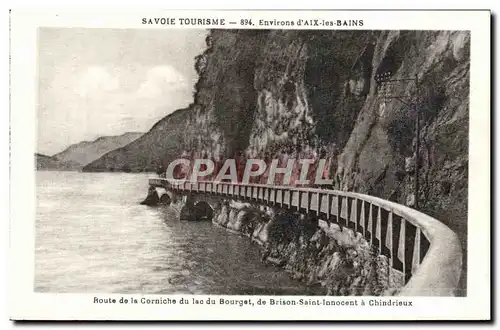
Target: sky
<point>97,82</point>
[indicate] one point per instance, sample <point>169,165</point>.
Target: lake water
<point>92,236</point>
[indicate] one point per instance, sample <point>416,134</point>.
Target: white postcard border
<point>25,304</point>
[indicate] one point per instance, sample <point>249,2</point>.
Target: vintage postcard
<point>250,165</point>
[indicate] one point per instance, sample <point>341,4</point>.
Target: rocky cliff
<point>312,251</point>
<point>283,91</point>
<point>87,151</point>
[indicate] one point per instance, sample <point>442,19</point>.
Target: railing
<point>424,250</point>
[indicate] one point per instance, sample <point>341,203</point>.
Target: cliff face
<point>274,92</point>
<point>88,151</point>
<point>382,140</point>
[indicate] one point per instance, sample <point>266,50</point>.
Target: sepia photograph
<point>269,163</point>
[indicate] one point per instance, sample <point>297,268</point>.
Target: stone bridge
<point>423,249</point>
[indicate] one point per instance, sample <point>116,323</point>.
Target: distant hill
<point>44,162</point>
<point>87,151</point>
<point>164,142</point>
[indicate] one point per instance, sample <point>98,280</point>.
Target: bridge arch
<point>203,211</point>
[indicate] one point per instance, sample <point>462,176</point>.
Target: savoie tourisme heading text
<point>249,22</point>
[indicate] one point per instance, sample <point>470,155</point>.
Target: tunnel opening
<point>396,53</point>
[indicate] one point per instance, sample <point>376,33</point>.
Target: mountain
<point>163,141</point>
<point>270,92</point>
<point>44,162</point>
<point>88,151</point>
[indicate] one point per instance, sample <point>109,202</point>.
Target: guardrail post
<point>390,240</point>
<point>318,201</point>
<point>409,247</point>
<point>362,220</point>
<point>370,228</point>
<point>308,202</point>
<point>329,198</point>
<point>378,232</point>
<point>348,208</point>
<point>416,251</point>
<point>339,210</point>
<point>402,245</point>
<point>354,214</point>
<point>397,245</point>
<point>299,200</point>
<point>384,231</point>
<point>287,198</point>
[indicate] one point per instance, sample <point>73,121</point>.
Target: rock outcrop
<point>47,163</point>
<point>152,199</point>
<point>312,251</point>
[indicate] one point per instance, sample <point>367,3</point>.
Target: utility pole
<point>384,80</point>
<point>417,142</point>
